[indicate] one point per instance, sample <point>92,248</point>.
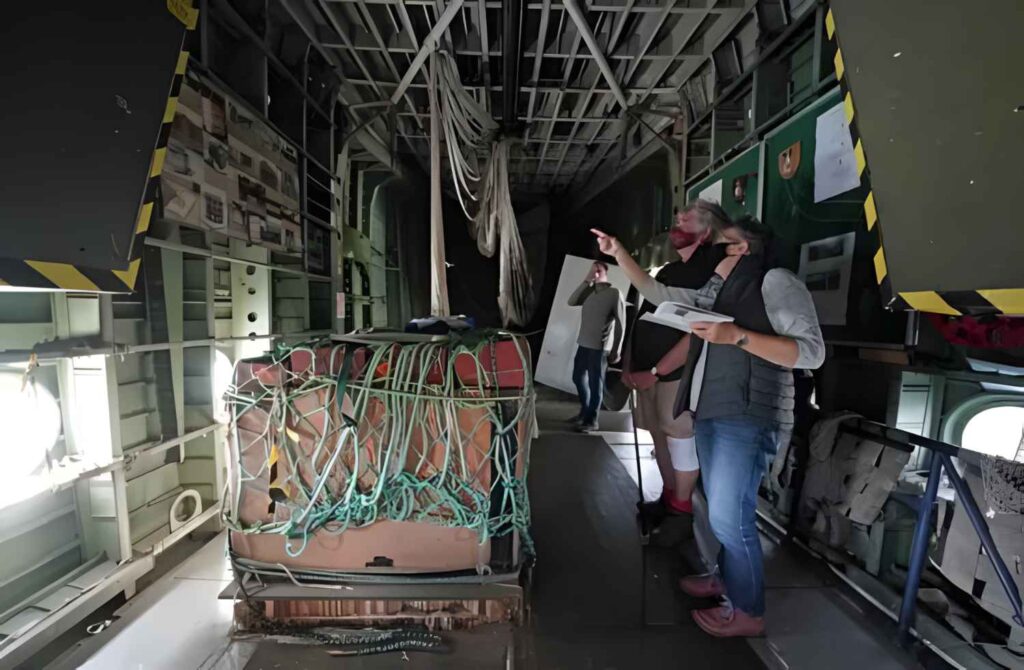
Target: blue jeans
<point>588,372</point>
<point>733,453</point>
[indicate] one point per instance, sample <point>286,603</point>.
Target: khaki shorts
<point>654,408</point>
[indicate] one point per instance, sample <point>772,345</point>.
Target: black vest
<point>736,382</point>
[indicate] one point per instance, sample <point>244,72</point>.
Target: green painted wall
<point>744,165</point>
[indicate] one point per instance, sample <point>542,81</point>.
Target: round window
<point>996,431</point>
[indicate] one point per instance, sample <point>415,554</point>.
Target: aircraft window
<point>996,431</point>
<point>31,417</point>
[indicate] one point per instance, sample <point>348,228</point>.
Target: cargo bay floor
<point>599,600</point>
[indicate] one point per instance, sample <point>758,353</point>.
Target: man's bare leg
<point>686,481</point>
<point>664,461</point>
<point>685,471</point>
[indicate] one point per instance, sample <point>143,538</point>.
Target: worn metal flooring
<point>599,599</point>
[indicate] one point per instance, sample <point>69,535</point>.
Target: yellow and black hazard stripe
<point>68,276</point>
<point>870,207</point>
<point>952,303</point>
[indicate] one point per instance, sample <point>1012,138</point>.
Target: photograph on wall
<point>214,207</point>
<point>180,198</point>
<point>215,154</point>
<point>825,267</point>
<point>228,171</point>
<point>214,118</point>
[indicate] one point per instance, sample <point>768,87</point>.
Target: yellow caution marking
<point>869,210</point>
<point>145,214</point>
<point>63,275</point>
<point>128,276</point>
<point>830,24</point>
<point>848,105</point>
<point>182,63</point>
<point>880,268</point>
<point>1008,301</point>
<point>838,61</point>
<point>172,106</point>
<point>158,162</point>
<point>858,152</point>
<point>929,301</point>
<point>184,11</point>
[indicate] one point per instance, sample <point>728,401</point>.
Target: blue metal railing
<point>942,460</point>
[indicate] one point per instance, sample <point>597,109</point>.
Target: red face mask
<point>681,239</point>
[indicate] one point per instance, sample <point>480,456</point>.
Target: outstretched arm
<point>650,289</point>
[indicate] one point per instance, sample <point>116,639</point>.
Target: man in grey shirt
<point>599,340</point>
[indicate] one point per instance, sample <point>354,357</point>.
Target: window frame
<point>958,418</point>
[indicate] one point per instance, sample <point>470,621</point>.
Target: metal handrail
<point>943,455</point>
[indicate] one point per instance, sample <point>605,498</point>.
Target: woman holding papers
<point>739,387</point>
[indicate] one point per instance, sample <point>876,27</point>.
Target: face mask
<point>680,239</point>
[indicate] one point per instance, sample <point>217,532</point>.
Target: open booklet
<point>681,316</point>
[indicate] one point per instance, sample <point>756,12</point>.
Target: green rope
<point>365,467</point>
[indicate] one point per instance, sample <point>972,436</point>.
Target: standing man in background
<point>599,341</point>
<point>656,356</point>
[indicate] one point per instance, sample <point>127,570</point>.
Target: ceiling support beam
<point>367,136</point>
<point>512,32</point>
<point>576,14</point>
<point>485,53</point>
<point>601,177</point>
<point>541,39</point>
<point>613,43</point>
<point>430,43</point>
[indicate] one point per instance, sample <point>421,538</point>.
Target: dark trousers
<point>588,374</point>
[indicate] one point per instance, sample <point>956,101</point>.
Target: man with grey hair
<point>656,355</point>
<point>599,341</point>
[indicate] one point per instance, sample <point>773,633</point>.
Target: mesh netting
<point>340,436</point>
<point>1004,485</point>
<point>1004,482</point>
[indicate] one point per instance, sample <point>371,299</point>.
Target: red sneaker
<point>726,622</point>
<point>702,586</point>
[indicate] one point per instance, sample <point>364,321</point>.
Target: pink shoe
<point>702,586</point>
<point>726,622</point>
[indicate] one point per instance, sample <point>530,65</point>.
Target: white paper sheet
<point>825,267</point>
<point>682,317</point>
<point>554,365</point>
<point>712,193</point>
<point>835,166</point>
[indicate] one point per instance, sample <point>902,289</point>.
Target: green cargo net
<point>377,430</point>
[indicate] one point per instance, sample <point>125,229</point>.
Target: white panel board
<point>554,366</point>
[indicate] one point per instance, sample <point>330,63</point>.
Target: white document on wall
<point>825,267</point>
<point>712,193</point>
<point>835,165</point>
<point>682,316</point>
<point>554,365</point>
